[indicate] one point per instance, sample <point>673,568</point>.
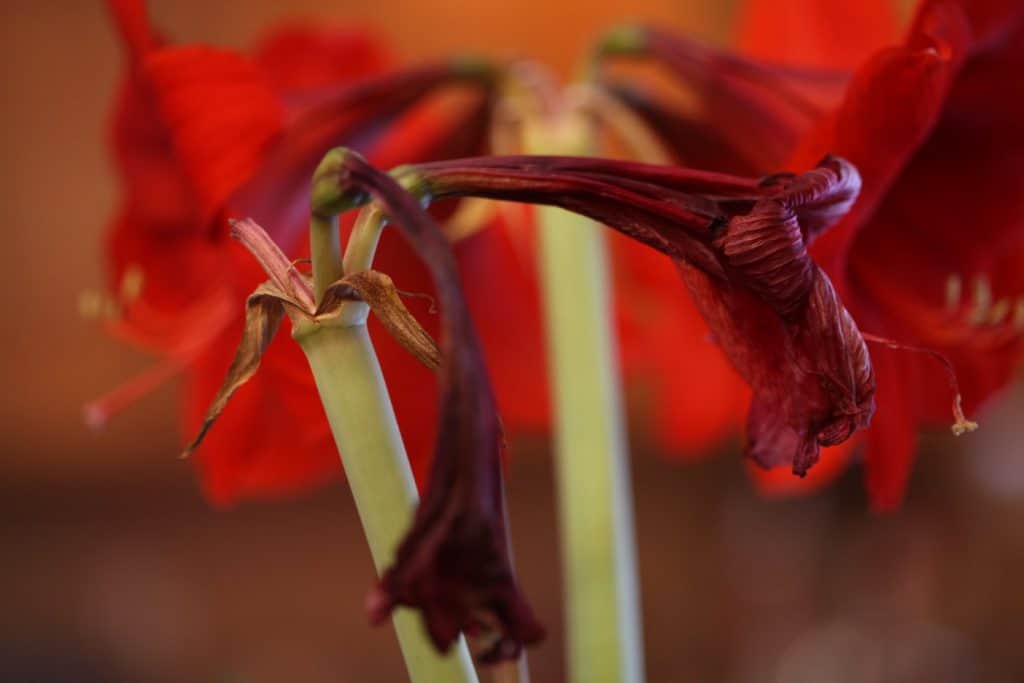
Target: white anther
<point>131,283</point>
<point>998,312</point>
<point>982,300</point>
<point>954,292</point>
<point>90,304</point>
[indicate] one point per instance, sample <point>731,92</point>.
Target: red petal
<point>302,58</point>
<point>132,22</point>
<point>272,440</point>
<point>878,138</point>
<point>219,114</point>
<point>818,33</point>
<point>891,438</point>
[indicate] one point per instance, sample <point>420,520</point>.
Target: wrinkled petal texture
<point>784,328</point>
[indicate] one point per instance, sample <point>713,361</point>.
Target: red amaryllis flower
<point>202,133</point>
<point>741,245</point>
<point>924,224</point>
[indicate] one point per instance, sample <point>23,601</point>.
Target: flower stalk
<point>355,398</point>
<point>594,489</point>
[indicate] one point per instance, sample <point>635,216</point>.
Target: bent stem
<point>594,490</point>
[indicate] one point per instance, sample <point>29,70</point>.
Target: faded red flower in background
<point>201,134</point>
<point>933,130</point>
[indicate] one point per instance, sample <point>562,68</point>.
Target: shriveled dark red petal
<point>744,257</point>
<point>454,563</point>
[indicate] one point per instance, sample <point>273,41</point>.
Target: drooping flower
<point>453,564</point>
<point>201,134</point>
<point>741,245</point>
<point>924,224</point>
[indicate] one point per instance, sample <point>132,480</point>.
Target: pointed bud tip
<point>331,192</point>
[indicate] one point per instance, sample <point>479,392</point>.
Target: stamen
<point>961,424</point>
<point>954,292</point>
<point>132,282</point>
<point>997,314</point>
<point>90,304</point>
<point>982,300</point>
<point>98,412</point>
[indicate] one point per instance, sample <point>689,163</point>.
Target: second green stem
<point>594,490</point>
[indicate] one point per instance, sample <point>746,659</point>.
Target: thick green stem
<point>362,421</point>
<point>595,499</point>
<point>325,251</point>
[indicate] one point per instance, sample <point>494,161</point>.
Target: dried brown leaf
<point>264,310</point>
<point>379,292</point>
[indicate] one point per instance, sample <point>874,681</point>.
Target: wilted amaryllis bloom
<point>934,134</point>
<point>202,133</point>
<point>741,246</point>
<point>453,564</point>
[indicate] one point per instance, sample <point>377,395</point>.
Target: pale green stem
<point>594,491</point>
<point>325,250</point>
<point>362,420</point>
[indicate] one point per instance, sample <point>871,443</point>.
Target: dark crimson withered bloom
<point>453,564</point>
<point>929,254</point>
<point>741,246</point>
<point>201,134</point>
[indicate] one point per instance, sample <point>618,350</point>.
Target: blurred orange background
<point>114,569</point>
